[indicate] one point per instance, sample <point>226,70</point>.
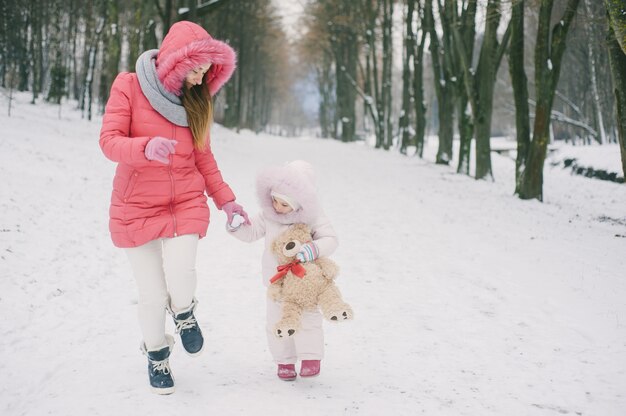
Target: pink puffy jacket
<point>152,200</point>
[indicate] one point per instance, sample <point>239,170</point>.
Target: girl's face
<point>280,206</point>
<point>195,76</point>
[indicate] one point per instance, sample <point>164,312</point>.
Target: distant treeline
<point>539,70</point>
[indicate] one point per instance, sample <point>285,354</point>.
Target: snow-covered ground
<point>468,301</point>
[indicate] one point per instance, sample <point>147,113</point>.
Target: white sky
<point>290,11</point>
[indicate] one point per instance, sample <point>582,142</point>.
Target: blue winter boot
<point>161,379</point>
<point>188,328</point>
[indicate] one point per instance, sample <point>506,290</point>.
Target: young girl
<point>156,127</point>
<point>287,195</point>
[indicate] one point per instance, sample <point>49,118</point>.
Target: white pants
<point>165,272</point>
<point>306,344</point>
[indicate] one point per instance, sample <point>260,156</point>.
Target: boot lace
<point>161,366</point>
<point>187,323</point>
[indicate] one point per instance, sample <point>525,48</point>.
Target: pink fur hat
<point>296,180</point>
<point>187,46</point>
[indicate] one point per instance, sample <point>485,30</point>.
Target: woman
<point>156,127</point>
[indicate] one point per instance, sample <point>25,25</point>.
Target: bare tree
<point>520,88</point>
<point>617,55</point>
<point>344,46</point>
<point>418,86</point>
<point>617,19</point>
<point>480,83</point>
<point>465,28</point>
<point>549,51</point>
<point>441,56</point>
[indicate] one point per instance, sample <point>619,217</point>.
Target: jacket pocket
<point>130,186</point>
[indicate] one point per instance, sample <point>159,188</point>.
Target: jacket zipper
<point>172,183</point>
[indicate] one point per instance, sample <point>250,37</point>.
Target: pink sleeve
<point>216,188</point>
<point>115,140</point>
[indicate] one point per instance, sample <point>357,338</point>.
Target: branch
<point>159,9</point>
<point>201,10</point>
<point>468,76</point>
<point>502,47</point>
<point>559,43</point>
<point>570,103</point>
<point>367,98</point>
<point>558,116</point>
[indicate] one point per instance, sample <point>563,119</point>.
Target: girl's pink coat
<point>151,200</point>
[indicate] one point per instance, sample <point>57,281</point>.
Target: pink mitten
<point>231,208</point>
<point>159,149</point>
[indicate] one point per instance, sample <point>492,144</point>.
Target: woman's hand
<point>231,208</point>
<point>159,149</point>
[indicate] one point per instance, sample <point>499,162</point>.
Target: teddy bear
<point>303,286</point>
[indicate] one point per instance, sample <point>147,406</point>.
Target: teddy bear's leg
<point>275,292</point>
<point>290,322</point>
<point>332,305</point>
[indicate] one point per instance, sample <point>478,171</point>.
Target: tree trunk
<point>19,26</point>
<point>374,93</point>
<point>166,13</point>
<point>112,50</point>
<point>443,88</point>
<point>599,116</point>
<point>418,95</point>
<point>520,89</point>
<point>325,86</point>
<point>35,48</point>
<point>409,49</point>
<point>4,55</point>
<point>72,58</point>
<point>490,55</point>
<point>91,69</point>
<point>467,29</point>
<point>617,58</point>
<point>466,132</point>
<point>345,52</point>
<point>548,55</point>
<point>617,18</point>
<point>387,71</point>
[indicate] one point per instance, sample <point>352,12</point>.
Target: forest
<point>536,71</point>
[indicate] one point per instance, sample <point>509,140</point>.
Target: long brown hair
<point>198,105</point>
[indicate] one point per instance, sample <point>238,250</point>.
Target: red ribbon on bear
<point>294,267</point>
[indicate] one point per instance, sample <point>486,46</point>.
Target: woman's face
<point>195,76</point>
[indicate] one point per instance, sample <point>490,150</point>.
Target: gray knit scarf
<point>163,101</point>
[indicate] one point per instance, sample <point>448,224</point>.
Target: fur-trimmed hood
<point>296,180</point>
<point>187,46</point>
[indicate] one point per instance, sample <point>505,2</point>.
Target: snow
<point>468,301</point>
<point>606,157</point>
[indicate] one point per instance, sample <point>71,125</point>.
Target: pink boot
<point>287,372</point>
<point>310,368</point>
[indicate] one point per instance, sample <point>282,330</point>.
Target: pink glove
<point>159,149</point>
<point>231,208</point>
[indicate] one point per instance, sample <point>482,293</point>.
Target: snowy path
<point>468,301</point>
